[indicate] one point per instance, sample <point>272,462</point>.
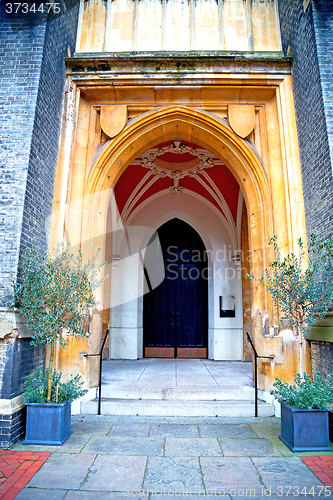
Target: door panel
<point>176,312</point>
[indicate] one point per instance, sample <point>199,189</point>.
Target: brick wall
<point>21,54</point>
<point>322,357</point>
<point>322,361</point>
<point>60,40</point>
<point>12,428</point>
<point>305,36</point>
<point>17,359</point>
<point>323,28</point>
<point>32,79</point>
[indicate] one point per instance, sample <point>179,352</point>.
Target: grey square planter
<point>305,430</point>
<point>48,423</point>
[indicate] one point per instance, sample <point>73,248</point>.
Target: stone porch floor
<point>161,373</point>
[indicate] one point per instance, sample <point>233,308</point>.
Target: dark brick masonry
<point>12,428</point>
<point>307,36</point>
<point>322,357</point>
<point>32,82</point>
<point>322,361</point>
<point>323,27</point>
<point>17,359</point>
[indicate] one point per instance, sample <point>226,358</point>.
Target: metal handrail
<point>256,356</point>
<point>100,371</point>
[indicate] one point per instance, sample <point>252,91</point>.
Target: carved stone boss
<point>177,148</point>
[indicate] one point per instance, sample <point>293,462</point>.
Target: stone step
<point>193,408</point>
<point>245,393</point>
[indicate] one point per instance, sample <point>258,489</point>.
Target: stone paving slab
<point>86,426</point>
<point>279,473</point>
<point>63,469</point>
<point>192,496</point>
<point>130,430</point>
<point>222,474</point>
<point>226,431</point>
<point>286,452</point>
<point>41,494</point>
<point>173,473</point>
<point>130,446</point>
<point>174,430</point>
<point>192,447</point>
<point>74,444</point>
<point>140,419</point>
<point>116,473</point>
<point>98,495</point>
<point>268,431</point>
<point>248,448</point>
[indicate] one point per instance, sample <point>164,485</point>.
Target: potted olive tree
<point>302,288</point>
<point>54,295</point>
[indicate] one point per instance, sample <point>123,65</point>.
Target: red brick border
<point>16,470</point>
<point>322,466</point>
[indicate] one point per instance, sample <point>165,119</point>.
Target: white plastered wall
<point>225,335</point>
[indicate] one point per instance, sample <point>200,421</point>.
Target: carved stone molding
<point>177,148</point>
<point>113,119</point>
<point>175,189</point>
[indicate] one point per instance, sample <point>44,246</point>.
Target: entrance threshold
<point>177,387</point>
<point>176,352</point>
<point>178,373</point>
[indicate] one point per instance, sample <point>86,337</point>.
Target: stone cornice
<point>149,66</point>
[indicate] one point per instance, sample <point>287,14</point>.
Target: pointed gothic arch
<point>208,131</point>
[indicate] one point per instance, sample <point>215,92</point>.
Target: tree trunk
<point>300,350</point>
<point>49,380</point>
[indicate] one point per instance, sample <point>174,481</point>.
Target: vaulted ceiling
<point>178,167</point>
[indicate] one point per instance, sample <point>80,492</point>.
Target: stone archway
<point>191,125</point>
<point>210,132</point>
<point>185,124</point>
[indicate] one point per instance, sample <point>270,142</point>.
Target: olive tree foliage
<point>54,295</point>
<point>301,285</point>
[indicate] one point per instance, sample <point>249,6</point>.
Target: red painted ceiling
<point>219,174</point>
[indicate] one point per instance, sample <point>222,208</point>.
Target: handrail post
<point>100,386</point>
<point>100,374</point>
<point>255,384</point>
<point>256,356</point>
<point>100,371</point>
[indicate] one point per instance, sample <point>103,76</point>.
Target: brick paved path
<point>16,470</point>
<point>322,466</point>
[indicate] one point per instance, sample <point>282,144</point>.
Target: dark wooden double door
<point>175,314</point>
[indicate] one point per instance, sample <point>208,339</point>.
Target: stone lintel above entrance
<point>154,64</point>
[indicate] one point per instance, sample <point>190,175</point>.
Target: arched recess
<point>129,283</point>
<point>231,229</point>
<point>184,217</point>
<point>175,313</point>
<point>195,126</point>
<point>224,334</point>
